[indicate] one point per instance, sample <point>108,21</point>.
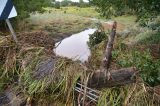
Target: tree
<point>65,3</point>
<point>83,4</point>
<point>26,7</point>
<point>81,1</point>
<point>140,8</point>
<point>57,5</point>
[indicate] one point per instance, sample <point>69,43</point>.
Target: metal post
<point>12,30</point>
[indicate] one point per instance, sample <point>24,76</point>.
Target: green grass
<point>145,37</point>
<point>58,24</point>
<point>88,12</point>
<point>53,15</point>
<point>126,20</point>
<point>152,38</point>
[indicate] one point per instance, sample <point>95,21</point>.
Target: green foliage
<point>154,24</point>
<point>146,37</point>
<point>151,39</point>
<point>81,1</point>
<point>26,7</point>
<point>65,3</point>
<point>97,37</point>
<point>108,8</point>
<point>83,4</point>
<point>57,5</point>
<point>142,8</point>
<point>148,67</point>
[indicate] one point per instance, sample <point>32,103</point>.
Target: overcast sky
<point>74,0</point>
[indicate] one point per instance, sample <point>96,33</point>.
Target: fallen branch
<point>118,78</point>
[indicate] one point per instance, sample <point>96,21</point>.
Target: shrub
<point>97,37</point>
<point>149,69</point>
<point>148,37</point>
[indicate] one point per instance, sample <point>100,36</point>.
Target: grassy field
<point>66,21</point>
<point>89,12</point>
<point>60,24</point>
<point>126,20</point>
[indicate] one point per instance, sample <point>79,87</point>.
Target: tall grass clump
<point>129,95</point>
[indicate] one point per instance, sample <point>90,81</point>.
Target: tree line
<point>143,9</point>
<point>65,3</point>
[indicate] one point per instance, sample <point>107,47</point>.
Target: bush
<point>149,69</point>
<point>64,3</point>
<point>96,38</point>
<point>26,7</point>
<point>148,37</point>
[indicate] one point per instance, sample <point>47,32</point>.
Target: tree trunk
<point>109,78</point>
<point>118,78</point>
<point>108,52</point>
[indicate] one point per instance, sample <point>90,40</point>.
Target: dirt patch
<point>40,39</point>
<point>30,42</point>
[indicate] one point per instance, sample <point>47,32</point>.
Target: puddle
<point>75,47</point>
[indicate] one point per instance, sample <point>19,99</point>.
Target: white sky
<point>74,0</point>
